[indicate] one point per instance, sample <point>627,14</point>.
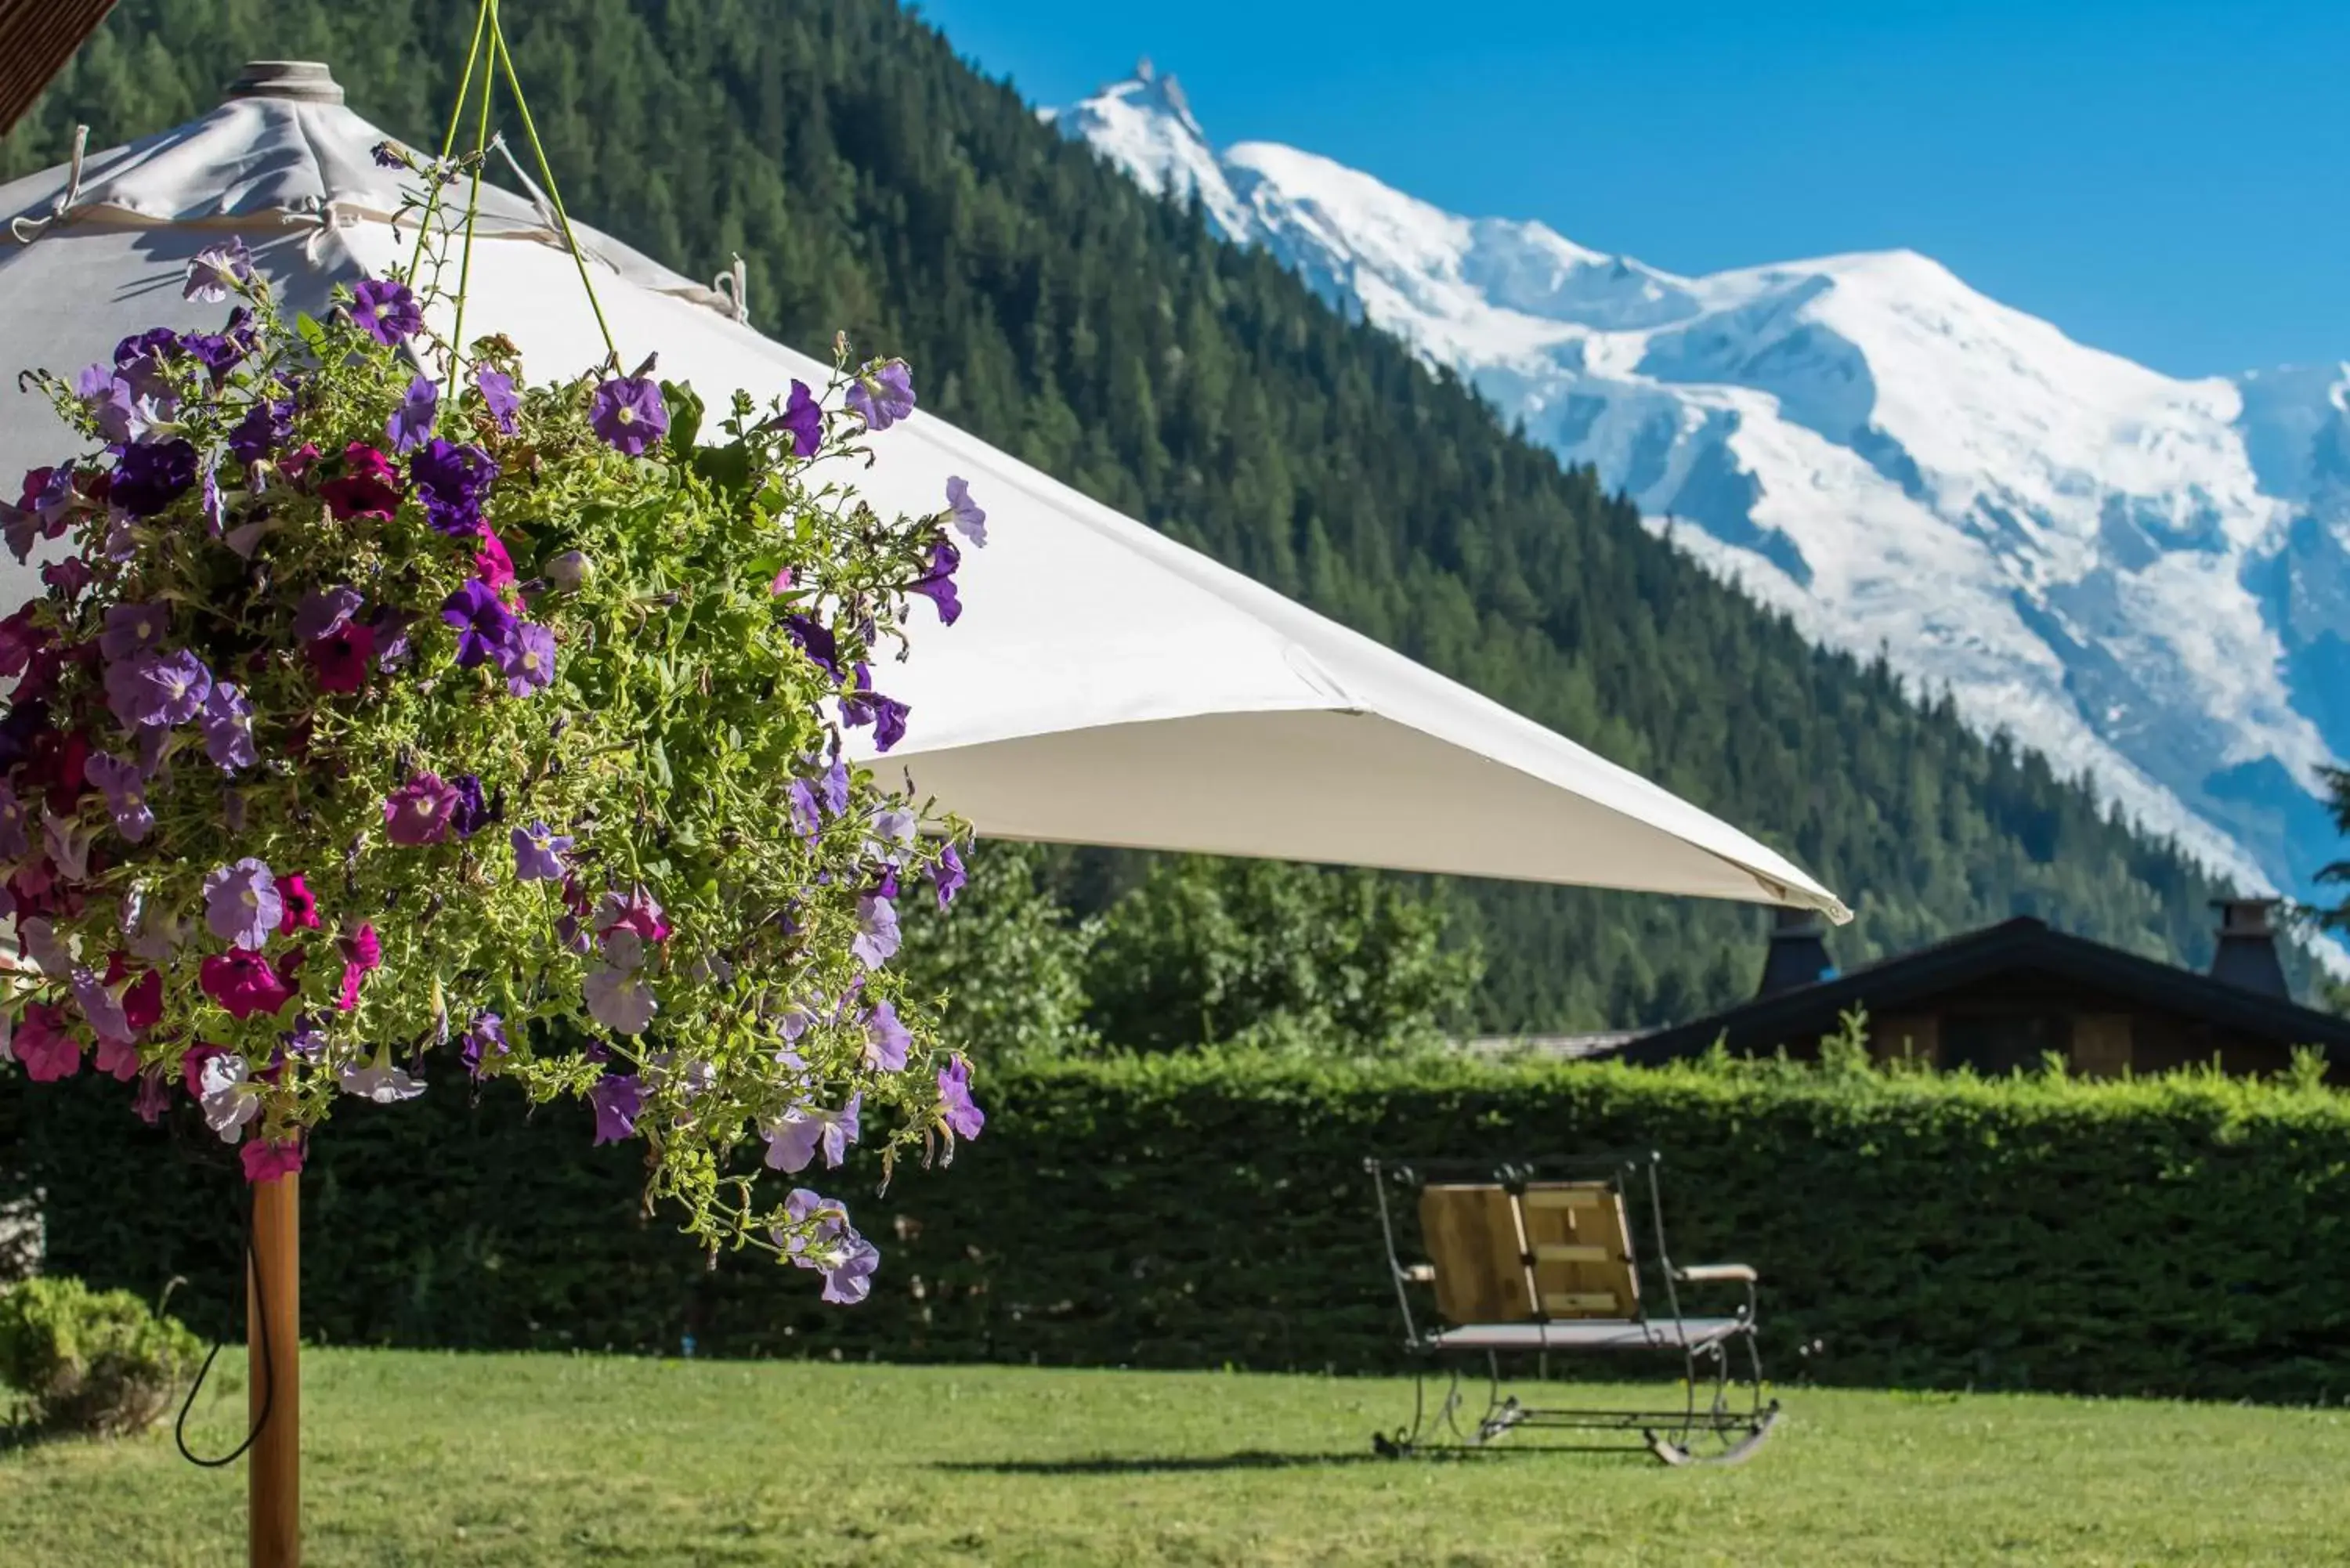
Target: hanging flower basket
<point>389,722</point>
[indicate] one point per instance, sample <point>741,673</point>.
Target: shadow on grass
<point>1259,1459</point>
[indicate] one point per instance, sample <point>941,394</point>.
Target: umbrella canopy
<point>1104,684</point>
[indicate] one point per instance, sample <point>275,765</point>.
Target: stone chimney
<point>304,81</point>
<point>2248,951</point>
<point>1799,951</point>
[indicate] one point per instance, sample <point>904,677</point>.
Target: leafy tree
<point>1009,963</point>
<point>1208,950</point>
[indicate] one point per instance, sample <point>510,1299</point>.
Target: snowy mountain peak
<point>2143,577</point>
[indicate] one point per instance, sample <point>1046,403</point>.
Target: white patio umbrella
<point>1105,685</point>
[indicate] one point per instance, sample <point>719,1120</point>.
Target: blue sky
<point>2170,182</point>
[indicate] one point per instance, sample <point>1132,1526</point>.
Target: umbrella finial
<point>304,81</point>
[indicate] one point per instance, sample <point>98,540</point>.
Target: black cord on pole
<point>269,1384</point>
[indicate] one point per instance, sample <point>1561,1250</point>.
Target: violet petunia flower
<point>886,1039</point>
<point>937,584</point>
<point>484,623</point>
<point>411,424</point>
<point>618,999</point>
<point>452,480</point>
<point>124,785</point>
<point>265,428</point>
<point>498,396</point>
<point>325,612</point>
<point>949,876</point>
<point>964,513</point>
<point>133,628</point>
<point>538,852</point>
<point>808,820</point>
<point>227,724</point>
<point>242,905</point>
<point>627,413</point>
<point>801,1133</point>
<point>803,417</point>
<point>157,688</point>
<point>618,1099</point>
<point>882,394</point>
<point>527,659</point>
<point>472,809</point>
<point>419,811</point>
<point>963,1118</point>
<point>104,1010</point>
<point>816,640</point>
<point>865,706</point>
<point>876,931</point>
<point>112,405</point>
<point>486,1033</point>
<point>386,310</point>
<point>150,477</point>
<point>214,272</point>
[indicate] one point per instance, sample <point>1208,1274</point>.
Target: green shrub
<point>2186,1235</point>
<point>91,1361</point>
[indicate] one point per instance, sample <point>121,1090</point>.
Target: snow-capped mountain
<point>2146,578</point>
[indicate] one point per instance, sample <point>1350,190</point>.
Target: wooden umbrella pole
<point>274,1288</point>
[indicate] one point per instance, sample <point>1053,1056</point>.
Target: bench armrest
<point>1420,1273</point>
<point>1708,1274</point>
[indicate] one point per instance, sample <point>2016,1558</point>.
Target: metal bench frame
<point>1719,1429</point>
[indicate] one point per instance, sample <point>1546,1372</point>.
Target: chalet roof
<point>1889,985</point>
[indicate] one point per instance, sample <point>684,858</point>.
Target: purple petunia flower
<point>498,396</point>
<point>148,478</point>
<point>216,270</point>
<point>133,628</point>
<point>111,404</point>
<point>484,623</point>
<point>325,611</point>
<point>452,481</point>
<point>527,659</point>
<point>471,810</point>
<point>486,1033</point>
<point>937,584</point>
<point>848,1277</point>
<point>418,812</point>
<point>242,905</point>
<point>807,821</point>
<point>157,688</point>
<point>964,513</point>
<point>411,424</point>
<point>538,853</point>
<point>833,788</point>
<point>963,1117</point>
<point>618,1099</point>
<point>949,876</point>
<point>801,1133</point>
<point>215,511</point>
<point>144,360</point>
<point>882,394</point>
<point>876,931</point>
<point>124,785</point>
<point>627,413</point>
<point>380,1082</point>
<point>886,1039</point>
<point>803,416</point>
<point>814,639</point>
<point>386,310</point>
<point>864,706</point>
<point>265,428</point>
<point>821,1238</point>
<point>618,999</point>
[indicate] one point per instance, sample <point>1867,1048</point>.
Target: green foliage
<point>91,1361</point>
<point>1207,950</point>
<point>872,180</point>
<point>2186,1235</point>
<point>1007,964</point>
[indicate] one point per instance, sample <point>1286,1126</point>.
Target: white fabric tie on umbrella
<point>1104,684</point>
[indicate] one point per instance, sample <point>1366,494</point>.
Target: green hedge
<point>2180,1236</point>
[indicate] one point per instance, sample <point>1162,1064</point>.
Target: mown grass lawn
<point>420,1458</point>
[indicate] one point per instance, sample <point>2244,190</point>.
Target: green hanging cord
<point>449,139</point>
<point>472,208</point>
<point>553,193</point>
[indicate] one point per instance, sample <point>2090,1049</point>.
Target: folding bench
<point>1539,1262</point>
